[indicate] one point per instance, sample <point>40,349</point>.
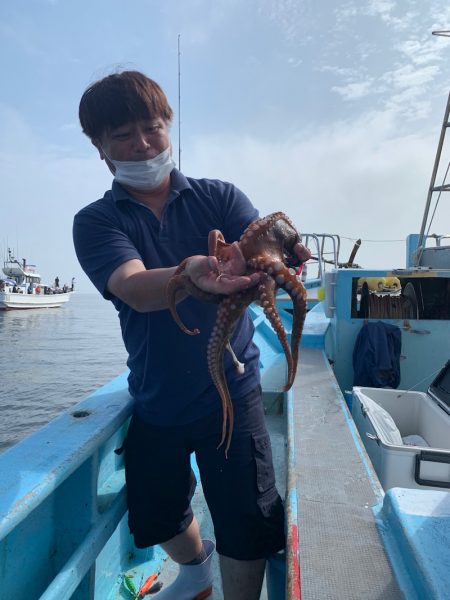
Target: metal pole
<point>431,189</point>
<point>179,104</point>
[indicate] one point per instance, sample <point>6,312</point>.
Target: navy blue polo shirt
<point>169,376</point>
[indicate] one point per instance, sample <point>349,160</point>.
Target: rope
<point>389,307</point>
<point>343,237</point>
<point>419,382</point>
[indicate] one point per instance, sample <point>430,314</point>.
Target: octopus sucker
<point>267,245</point>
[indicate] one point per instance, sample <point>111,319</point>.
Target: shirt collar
<point>178,183</point>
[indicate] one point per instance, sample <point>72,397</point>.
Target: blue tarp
<point>376,355</point>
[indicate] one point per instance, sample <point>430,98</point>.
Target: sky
<point>330,111</point>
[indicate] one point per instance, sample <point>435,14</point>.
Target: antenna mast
<point>179,104</point>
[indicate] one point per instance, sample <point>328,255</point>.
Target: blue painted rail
<point>62,501</point>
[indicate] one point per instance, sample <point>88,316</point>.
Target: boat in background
<point>21,288</point>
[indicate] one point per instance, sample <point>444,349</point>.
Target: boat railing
<point>62,497</point>
<point>324,254</point>
<point>433,252</point>
<point>439,239</point>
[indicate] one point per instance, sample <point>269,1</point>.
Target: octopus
<point>267,245</point>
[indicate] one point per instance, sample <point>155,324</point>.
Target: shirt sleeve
<point>101,246</point>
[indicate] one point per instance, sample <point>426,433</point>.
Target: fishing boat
<point>352,533</point>
<point>21,287</point>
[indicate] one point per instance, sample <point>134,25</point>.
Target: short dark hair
<point>121,98</point>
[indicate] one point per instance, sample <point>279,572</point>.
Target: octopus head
<point>286,233</point>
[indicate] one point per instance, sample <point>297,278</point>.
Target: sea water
<point>50,359</point>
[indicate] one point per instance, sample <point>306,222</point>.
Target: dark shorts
<point>246,509</point>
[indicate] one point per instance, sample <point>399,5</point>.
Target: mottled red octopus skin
<point>267,245</point>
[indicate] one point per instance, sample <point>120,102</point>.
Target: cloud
<point>352,91</point>
<point>385,9</point>
<point>355,179</point>
<point>420,51</point>
<point>408,76</point>
<point>290,16</point>
<point>400,76</point>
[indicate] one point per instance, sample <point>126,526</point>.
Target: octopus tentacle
<point>215,357</point>
<point>267,245</point>
<point>298,295</point>
<point>176,284</point>
<point>287,279</point>
<point>181,282</point>
<point>228,313</point>
<point>220,335</point>
<point>267,302</point>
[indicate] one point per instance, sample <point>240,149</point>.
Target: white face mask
<point>144,174</point>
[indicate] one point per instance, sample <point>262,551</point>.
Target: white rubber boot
<point>194,582</point>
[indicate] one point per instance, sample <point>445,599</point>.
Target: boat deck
<point>341,553</point>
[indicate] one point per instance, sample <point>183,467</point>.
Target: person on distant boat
<point>56,282</point>
<point>130,243</point>
<point>72,286</point>
<point>30,288</point>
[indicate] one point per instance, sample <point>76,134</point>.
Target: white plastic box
<point>422,418</point>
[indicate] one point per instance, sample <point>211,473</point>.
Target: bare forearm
<point>145,290</point>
